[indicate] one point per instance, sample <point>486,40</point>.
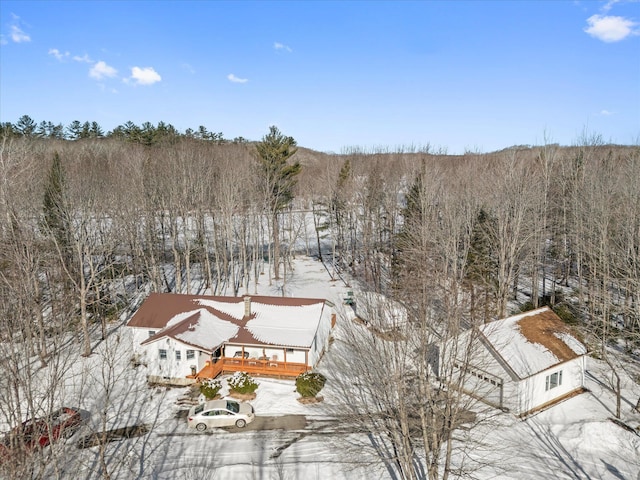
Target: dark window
<point>178,355</point>
<point>191,354</point>
<point>163,354</point>
<point>554,380</point>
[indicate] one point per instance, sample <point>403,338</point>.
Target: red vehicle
<point>40,432</point>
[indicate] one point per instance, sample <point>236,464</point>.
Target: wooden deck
<point>252,366</point>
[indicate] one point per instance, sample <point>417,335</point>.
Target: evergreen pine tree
<point>26,126</point>
<point>55,221</point>
<point>481,266</point>
<point>274,152</point>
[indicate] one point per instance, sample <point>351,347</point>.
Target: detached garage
<point>526,362</point>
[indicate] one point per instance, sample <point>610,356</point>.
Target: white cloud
<point>234,79</point>
<point>610,28</point>
<point>281,46</point>
<point>609,4</point>
<point>188,68</point>
<point>58,54</point>
<point>145,76</point>
<point>18,36</point>
<point>101,70</point>
<point>606,113</point>
<point>85,58</point>
<point>77,58</point>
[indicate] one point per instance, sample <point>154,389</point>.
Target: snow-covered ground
<point>572,440</point>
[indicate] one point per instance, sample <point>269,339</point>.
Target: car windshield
<point>233,406</point>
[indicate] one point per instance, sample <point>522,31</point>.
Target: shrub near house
<point>309,384</point>
<point>241,383</point>
<point>210,388</point>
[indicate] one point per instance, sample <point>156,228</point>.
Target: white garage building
<point>526,362</point>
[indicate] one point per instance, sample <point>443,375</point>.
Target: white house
<point>526,362</point>
<point>179,336</point>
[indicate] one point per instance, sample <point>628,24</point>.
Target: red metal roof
<point>163,311</point>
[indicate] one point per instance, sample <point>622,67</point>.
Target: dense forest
<point>92,220</point>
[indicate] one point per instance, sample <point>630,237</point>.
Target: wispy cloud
<point>232,78</point>
<point>188,68</point>
<point>58,54</point>
<point>610,29</point>
<point>16,34</point>
<point>282,47</point>
<point>144,76</point>
<point>101,70</point>
<point>104,88</point>
<point>61,56</point>
<point>84,58</point>
<point>609,4</point>
<point>606,113</point>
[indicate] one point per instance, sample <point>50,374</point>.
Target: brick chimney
<point>247,306</point>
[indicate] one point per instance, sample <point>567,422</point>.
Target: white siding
<point>532,392</point>
<point>519,396</point>
<point>170,367</point>
<point>528,394</point>
<point>321,339</point>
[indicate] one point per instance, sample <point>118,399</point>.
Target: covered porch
<point>254,359</point>
<point>253,366</point>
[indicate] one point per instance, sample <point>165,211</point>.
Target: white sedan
<point>220,413</point>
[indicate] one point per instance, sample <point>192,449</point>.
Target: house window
<point>191,354</point>
<point>152,333</point>
<point>178,355</point>
<point>163,354</point>
<point>289,350</point>
<point>554,380</point>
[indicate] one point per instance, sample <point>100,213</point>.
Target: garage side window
<point>554,380</point>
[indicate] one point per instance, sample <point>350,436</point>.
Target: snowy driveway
<point>282,422</point>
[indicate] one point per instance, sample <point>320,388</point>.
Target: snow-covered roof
<point>274,324</point>
<point>207,322</point>
<point>379,310</point>
<point>532,341</point>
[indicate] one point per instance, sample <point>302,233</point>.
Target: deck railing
<point>253,366</point>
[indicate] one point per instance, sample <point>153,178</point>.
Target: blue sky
<point>457,75</point>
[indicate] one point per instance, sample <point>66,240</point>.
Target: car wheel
<point>240,423</point>
<point>201,427</point>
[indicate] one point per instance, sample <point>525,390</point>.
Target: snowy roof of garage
<point>533,341</point>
